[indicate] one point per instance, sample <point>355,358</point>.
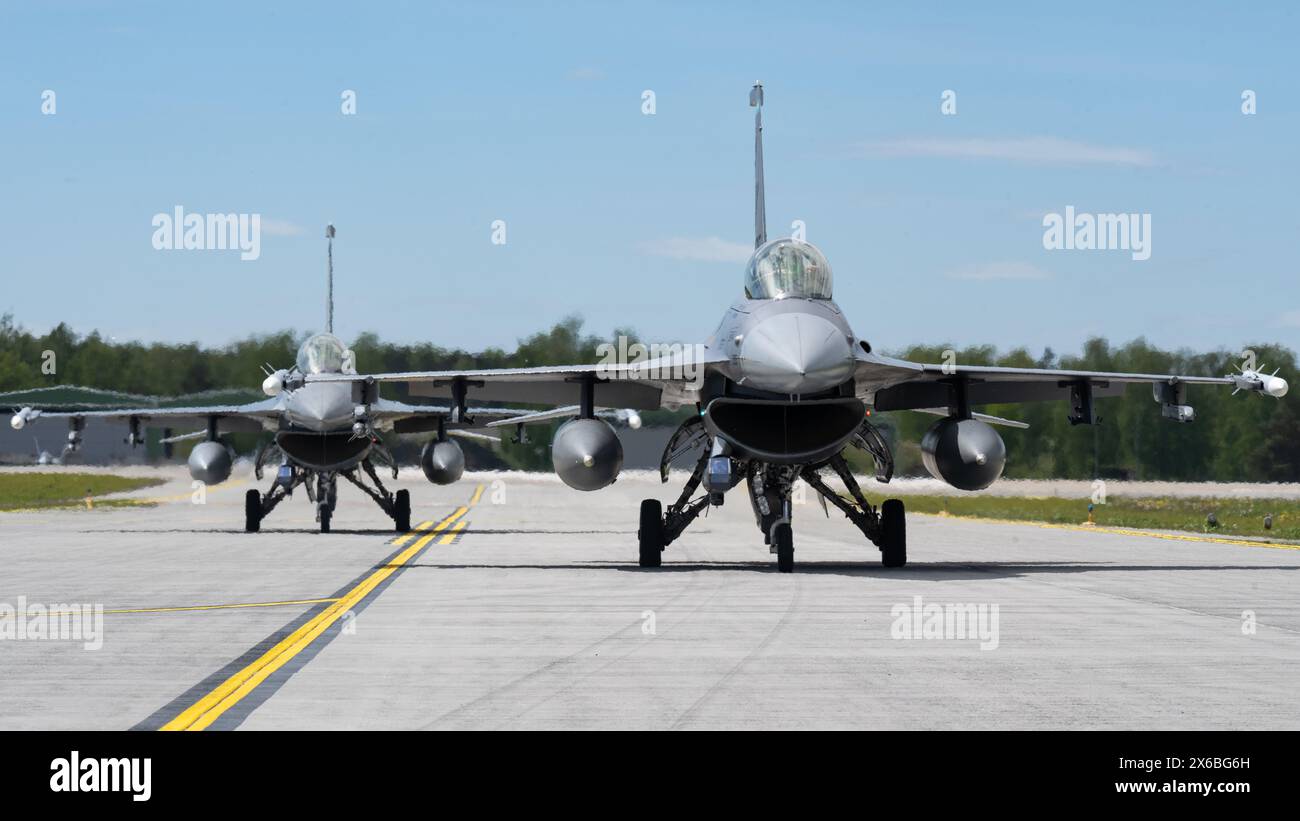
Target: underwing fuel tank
<point>966,453</point>
<point>587,454</point>
<point>442,462</point>
<point>210,463</point>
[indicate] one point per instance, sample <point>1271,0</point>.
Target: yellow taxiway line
<point>455,531</point>
<point>415,531</point>
<point>212,706</point>
<point>192,607</point>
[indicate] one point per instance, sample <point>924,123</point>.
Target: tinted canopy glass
<point>322,353</point>
<point>788,268</point>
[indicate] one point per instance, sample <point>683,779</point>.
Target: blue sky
<point>531,113</point>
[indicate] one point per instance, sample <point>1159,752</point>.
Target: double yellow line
<point>212,706</point>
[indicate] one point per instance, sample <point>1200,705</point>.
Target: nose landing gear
<point>326,498</point>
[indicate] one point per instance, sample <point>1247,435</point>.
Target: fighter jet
<point>783,388</point>
<point>321,433</point>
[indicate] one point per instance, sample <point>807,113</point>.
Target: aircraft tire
<point>893,533</point>
<point>783,534</point>
<point>325,514</point>
<point>252,511</point>
<point>650,535</point>
<point>402,512</point>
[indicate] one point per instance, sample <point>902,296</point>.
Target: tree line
<point>1234,438</point>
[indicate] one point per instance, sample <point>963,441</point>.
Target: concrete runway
<point>526,610</point>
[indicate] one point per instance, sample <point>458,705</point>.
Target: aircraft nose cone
<point>321,406</point>
<point>795,353</point>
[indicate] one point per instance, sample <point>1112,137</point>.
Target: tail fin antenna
<point>329,286</point>
<point>760,199</point>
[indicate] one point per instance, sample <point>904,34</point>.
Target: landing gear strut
<point>885,528</point>
<point>770,490</point>
<point>658,530</point>
<point>258,505</point>
<point>326,497</point>
<point>322,490</point>
<point>396,505</point>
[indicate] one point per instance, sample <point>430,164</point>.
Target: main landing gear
<point>322,490</point>
<point>657,529</point>
<point>770,491</point>
<point>886,528</point>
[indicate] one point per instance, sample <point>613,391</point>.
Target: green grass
<point>1236,517</point>
<point>20,491</point>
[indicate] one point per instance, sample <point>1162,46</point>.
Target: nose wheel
<point>326,498</point>
<point>783,544</point>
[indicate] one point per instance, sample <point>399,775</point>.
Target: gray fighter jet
<point>782,388</point>
<point>321,432</point>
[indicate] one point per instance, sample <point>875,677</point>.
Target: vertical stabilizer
<point>760,199</point>
<point>329,285</point>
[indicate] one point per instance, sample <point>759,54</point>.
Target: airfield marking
<point>455,531</point>
<point>194,607</point>
<point>230,692</point>
<point>415,531</point>
<point>1120,531</point>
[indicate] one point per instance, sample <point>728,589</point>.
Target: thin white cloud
<point>586,73</point>
<point>281,228</point>
<point>705,249</point>
<point>1027,150</point>
<point>990,271</point>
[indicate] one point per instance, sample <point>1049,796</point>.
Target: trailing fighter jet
<point>782,389</point>
<point>320,432</point>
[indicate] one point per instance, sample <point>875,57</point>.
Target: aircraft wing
<point>649,385</point>
<point>250,417</point>
<point>401,417</point>
<point>896,384</point>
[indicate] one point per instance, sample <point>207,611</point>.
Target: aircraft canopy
<point>788,268</point>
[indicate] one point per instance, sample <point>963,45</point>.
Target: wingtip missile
<point>275,382</point>
<point>22,417</point>
<point>1257,382</point>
